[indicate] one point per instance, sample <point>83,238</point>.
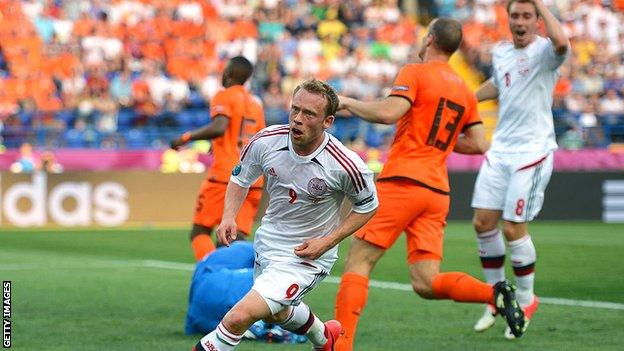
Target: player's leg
<point>208,210</point>
<point>229,332</point>
<point>201,241</point>
<point>395,211</point>
<point>300,320</point>
<point>283,286</point>
<point>353,290</point>
<point>425,248</point>
<point>524,201</point>
<point>488,202</point>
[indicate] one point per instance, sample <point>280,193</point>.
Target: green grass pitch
<point>90,290</point>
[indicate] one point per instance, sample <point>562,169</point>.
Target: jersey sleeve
<point>406,83</point>
<point>552,60</point>
<point>249,169</point>
<point>360,187</point>
<point>221,105</point>
<point>472,113</point>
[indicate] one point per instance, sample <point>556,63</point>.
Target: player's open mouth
<point>296,132</point>
<point>520,32</point>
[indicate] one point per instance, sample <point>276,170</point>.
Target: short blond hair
<point>319,87</point>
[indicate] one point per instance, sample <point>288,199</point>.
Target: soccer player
<point>512,180</point>
<point>308,173</point>
<point>236,116</point>
<point>432,106</point>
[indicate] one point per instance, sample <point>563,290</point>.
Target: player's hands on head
<point>313,249</point>
<point>342,102</point>
<point>227,232</point>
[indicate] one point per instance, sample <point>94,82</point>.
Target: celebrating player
<point>512,180</point>
<point>432,106</point>
<point>308,173</point>
<point>237,116</point>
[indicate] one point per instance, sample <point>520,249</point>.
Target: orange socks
<point>202,244</point>
<point>461,287</point>
<point>350,301</point>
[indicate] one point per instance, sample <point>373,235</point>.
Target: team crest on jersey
<point>523,65</point>
<point>317,187</point>
<point>236,171</point>
<point>272,172</point>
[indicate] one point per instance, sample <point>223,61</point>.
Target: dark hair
<point>319,87</point>
<point>240,69</point>
<point>447,34</point>
<point>522,2</point>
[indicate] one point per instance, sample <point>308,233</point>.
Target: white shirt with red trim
<point>525,79</point>
<point>306,192</point>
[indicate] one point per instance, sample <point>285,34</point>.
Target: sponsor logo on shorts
<point>400,87</point>
<point>236,171</point>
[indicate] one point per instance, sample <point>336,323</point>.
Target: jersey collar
<point>304,159</point>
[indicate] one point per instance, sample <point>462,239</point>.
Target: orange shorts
<point>407,206</point>
<point>210,202</point>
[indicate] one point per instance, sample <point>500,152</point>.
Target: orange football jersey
<point>246,119</point>
<point>442,106</point>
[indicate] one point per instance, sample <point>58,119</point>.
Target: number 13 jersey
<point>306,192</point>
<point>442,107</point>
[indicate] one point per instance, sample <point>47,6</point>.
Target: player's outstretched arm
<point>234,197</point>
<point>487,91</point>
<point>213,130</point>
<point>553,28</point>
<point>472,141</point>
<point>315,248</point>
<point>386,111</point>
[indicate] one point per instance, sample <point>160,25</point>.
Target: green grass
<point>82,290</point>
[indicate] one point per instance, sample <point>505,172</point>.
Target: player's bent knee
<point>514,231</point>
<point>279,317</point>
<point>199,230</point>
<point>237,319</point>
<point>482,223</point>
<point>422,288</point>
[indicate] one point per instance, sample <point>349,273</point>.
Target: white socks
<point>220,339</point>
<point>492,253</point>
<point>302,321</point>
<point>523,257</point>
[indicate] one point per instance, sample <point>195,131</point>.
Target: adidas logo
<point>210,346</point>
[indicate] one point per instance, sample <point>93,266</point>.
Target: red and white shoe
<point>528,314</point>
<point>333,329</point>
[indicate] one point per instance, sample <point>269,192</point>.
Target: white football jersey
<point>306,192</point>
<point>525,79</point>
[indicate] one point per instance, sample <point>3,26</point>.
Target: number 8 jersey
<point>306,192</point>
<point>442,107</point>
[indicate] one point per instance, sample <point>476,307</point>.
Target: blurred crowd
<point>133,73</point>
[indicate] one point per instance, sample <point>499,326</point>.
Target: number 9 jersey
<point>442,107</point>
<point>306,192</point>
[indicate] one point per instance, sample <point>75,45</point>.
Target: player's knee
<point>236,319</point>
<point>422,288</point>
<point>279,317</point>
<point>483,224</point>
<point>199,230</point>
<point>514,231</point>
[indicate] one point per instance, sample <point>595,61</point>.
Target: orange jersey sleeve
<point>442,105</point>
<point>406,83</point>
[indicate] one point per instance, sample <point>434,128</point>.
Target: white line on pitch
<point>189,267</point>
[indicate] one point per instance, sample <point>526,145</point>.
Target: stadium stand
<point>133,73</point>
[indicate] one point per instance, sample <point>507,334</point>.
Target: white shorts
<point>285,283</point>
<point>514,183</point>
